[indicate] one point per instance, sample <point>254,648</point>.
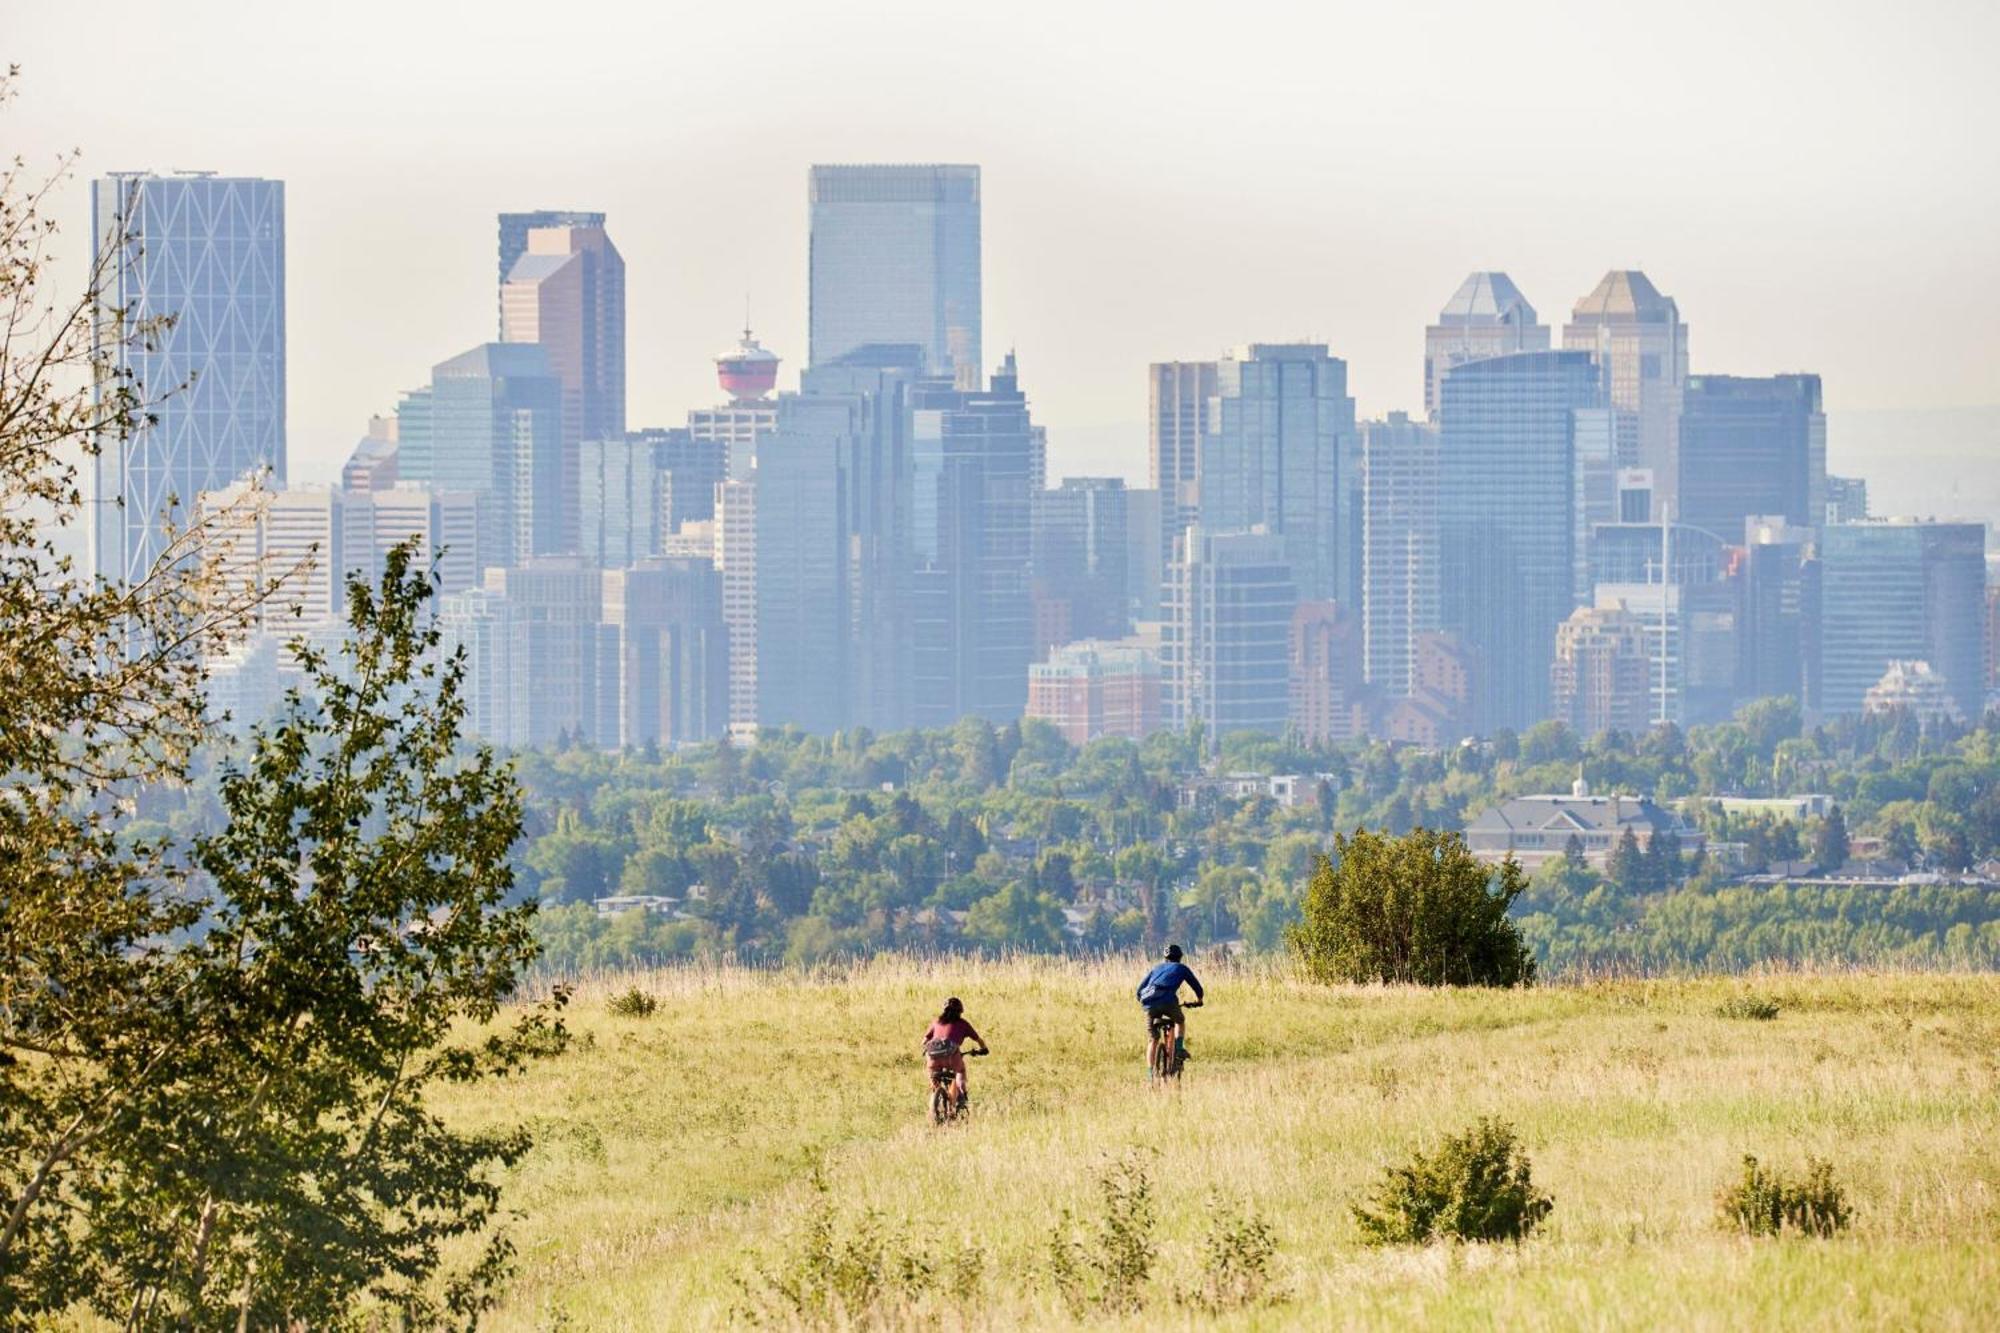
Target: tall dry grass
<point>671,1183</point>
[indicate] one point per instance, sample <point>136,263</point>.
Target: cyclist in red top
<point>942,1040</point>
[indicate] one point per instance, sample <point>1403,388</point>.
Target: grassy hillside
<point>676,1151</point>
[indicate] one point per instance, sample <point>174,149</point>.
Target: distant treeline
<point>1006,838</point>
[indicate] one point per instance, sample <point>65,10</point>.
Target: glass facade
<point>895,259</point>
<point>1284,454</point>
<point>1399,596</point>
<point>208,253</point>
<point>1751,448</point>
<point>1901,591</point>
<point>491,425</point>
<point>1507,515</point>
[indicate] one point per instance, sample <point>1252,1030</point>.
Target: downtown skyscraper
<point>896,259</point>
<point>490,424</point>
<point>1637,336</point>
<point>1486,316</point>
<point>207,253</point>
<point>1507,520</point>
<point>1283,454</point>
<point>1751,448</point>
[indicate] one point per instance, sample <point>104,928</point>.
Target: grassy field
<point>673,1183</point>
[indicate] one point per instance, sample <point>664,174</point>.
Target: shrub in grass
<point>633,1003</point>
<point>1766,1202</point>
<point>1236,1260</point>
<point>1474,1186</point>
<point>1107,1267</point>
<point>866,1270</point>
<point>1748,1006</point>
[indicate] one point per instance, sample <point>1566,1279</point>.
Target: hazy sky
<point>1817,184</point>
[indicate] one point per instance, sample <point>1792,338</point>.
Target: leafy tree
<point>356,919</point>
<point>100,691</point>
<point>1627,866</point>
<point>1419,908</point>
<point>1015,918</point>
<point>1829,842</point>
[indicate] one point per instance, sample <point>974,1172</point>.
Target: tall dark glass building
<point>975,468</point>
<point>895,259</point>
<point>1751,447</point>
<point>1901,590</point>
<point>1506,510</point>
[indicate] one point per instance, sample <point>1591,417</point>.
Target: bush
<point>1109,1267</point>
<point>1419,908</point>
<point>1764,1202</point>
<point>1235,1260</point>
<point>633,1003</point>
<point>1475,1186</point>
<point>1748,1006</point>
<point>858,1273</point>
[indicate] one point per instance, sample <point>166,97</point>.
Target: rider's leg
<point>958,1084</point>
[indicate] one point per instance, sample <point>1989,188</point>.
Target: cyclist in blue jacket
<point>1160,993</point>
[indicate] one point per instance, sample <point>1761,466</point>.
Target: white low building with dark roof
<point>1534,829</point>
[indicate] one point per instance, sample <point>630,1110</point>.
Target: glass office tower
<point>895,259</point>
<point>1506,510</point>
<point>208,253</point>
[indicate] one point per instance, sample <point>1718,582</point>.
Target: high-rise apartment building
<point>208,253</point>
<point>1330,698</point>
<point>1601,675</point>
<point>444,524</point>
<point>490,424</point>
<point>1846,499</point>
<point>1486,316</point>
<point>895,259</point>
<point>290,542</point>
<point>862,404</point>
<point>1636,334</point>
<point>974,468</point>
<point>1778,630</point>
<point>1284,455</point>
<point>1751,447</point>
<point>1091,689</point>
<point>687,468</point>
<point>736,560</point>
<point>1178,393</point>
<point>1680,584</point>
<point>663,621</point>
<point>800,612</point>
<point>1081,547</point>
<point>1507,519</point>
<point>1226,648</point>
<point>619,501</point>
<point>1399,560</point>
<point>1901,590</point>
<point>1145,575</point>
<point>561,673</point>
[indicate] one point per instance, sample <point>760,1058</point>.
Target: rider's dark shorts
<point>1171,1011</point>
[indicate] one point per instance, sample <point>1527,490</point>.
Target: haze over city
<point>1813,184</point>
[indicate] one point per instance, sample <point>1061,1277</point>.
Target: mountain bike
<point>947,1104</point>
<point>1163,1049</point>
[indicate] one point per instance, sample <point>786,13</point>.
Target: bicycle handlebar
<point>1192,1004</point>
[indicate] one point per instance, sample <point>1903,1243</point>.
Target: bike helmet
<point>1173,954</point>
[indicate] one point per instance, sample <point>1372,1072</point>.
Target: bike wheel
<point>940,1104</point>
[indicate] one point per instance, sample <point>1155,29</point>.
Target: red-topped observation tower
<point>748,370</point>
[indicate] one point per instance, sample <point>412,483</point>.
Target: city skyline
<point>1766,283</point>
